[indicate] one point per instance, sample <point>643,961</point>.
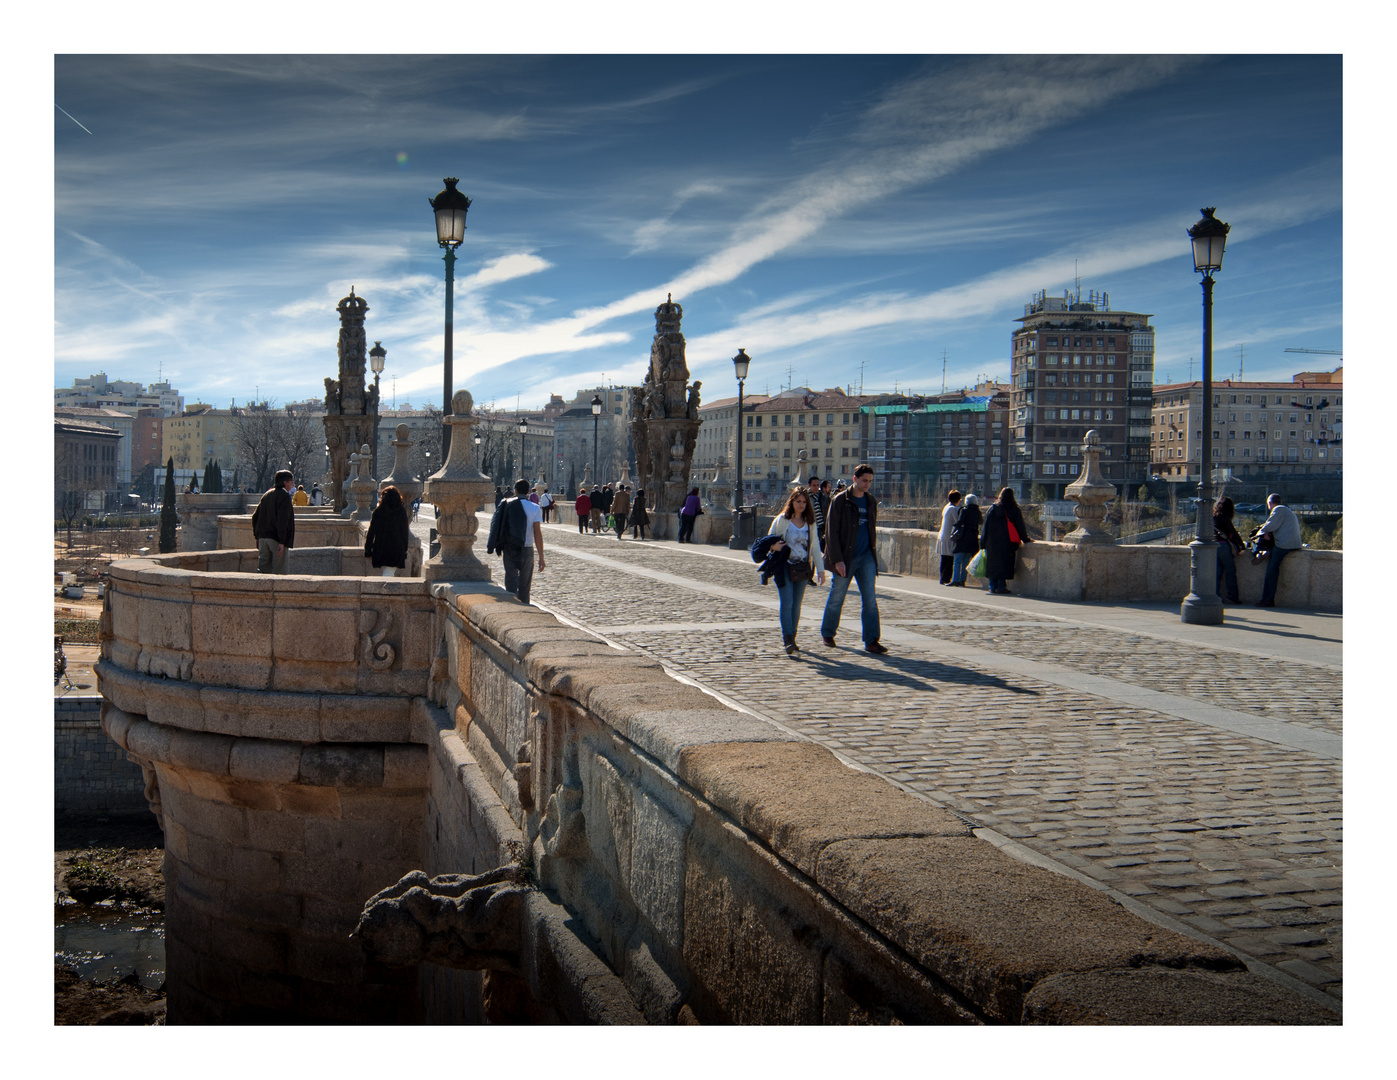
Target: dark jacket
<point>508,527</point>
<point>999,551</point>
<point>607,498</point>
<point>965,537</point>
<point>275,518</point>
<point>638,516</point>
<point>773,563</point>
<point>1224,529</point>
<point>842,528</point>
<point>387,541</point>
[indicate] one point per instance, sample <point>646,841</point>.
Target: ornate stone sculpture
<point>664,425</point>
<point>350,404</point>
<point>1091,493</point>
<point>363,486</point>
<point>458,490</point>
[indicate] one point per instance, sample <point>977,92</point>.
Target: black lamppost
<point>740,363</point>
<point>1202,604</point>
<point>523,430</point>
<point>450,207</point>
<point>376,357</point>
<point>596,417</point>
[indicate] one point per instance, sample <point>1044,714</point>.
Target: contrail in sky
<point>70,116</point>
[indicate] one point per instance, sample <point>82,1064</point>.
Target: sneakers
<point>875,647</point>
<point>829,641</point>
<point>793,651</point>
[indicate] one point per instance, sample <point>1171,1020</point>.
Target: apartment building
<point>823,423</point>
<point>97,391</point>
<point>1079,366</point>
<point>86,462</point>
<point>717,434</point>
<point>573,429</point>
<point>923,447</point>
<point>199,434</point>
<point>1261,430</point>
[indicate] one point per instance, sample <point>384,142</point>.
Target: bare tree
<point>300,444</point>
<point>256,444</point>
<point>73,486</point>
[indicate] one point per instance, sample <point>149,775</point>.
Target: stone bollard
<point>1091,493</point>
<point>458,491</point>
<point>363,486</point>
<point>401,477</point>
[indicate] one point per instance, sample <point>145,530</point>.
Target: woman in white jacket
<point>945,546</point>
<point>795,524</point>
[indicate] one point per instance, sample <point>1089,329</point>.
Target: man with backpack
<point>516,533</point>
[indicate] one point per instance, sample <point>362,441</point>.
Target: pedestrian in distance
<point>638,518</point>
<point>965,538</point>
<point>388,538</point>
<point>317,497</point>
<point>516,534</point>
<point>595,515</point>
<point>851,552</point>
<point>499,494</point>
<point>797,534</point>
<point>607,498</point>
<point>583,506</point>
<point>1230,545</point>
<point>1282,524</point>
<point>945,547</point>
<point>545,504</point>
<point>620,507</point>
<point>688,514</point>
<point>1001,538</point>
<point>274,525</point>
<point>819,503</point>
<point>300,498</point>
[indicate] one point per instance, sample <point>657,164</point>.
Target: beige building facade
<point>823,423</point>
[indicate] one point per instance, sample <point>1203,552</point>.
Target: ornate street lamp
<point>450,207</point>
<point>740,363</point>
<point>596,416</point>
<point>1202,604</point>
<point>523,430</point>
<point>377,355</point>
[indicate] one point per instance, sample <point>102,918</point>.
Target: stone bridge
<point>395,801</point>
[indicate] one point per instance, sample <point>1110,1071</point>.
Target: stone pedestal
<point>801,479</point>
<point>719,493</point>
<point>401,477</point>
<point>458,491</point>
<point>1091,493</point>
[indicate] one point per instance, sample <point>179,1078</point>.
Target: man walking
<point>851,554</point>
<point>516,533</point>
<point>274,525</point>
<point>819,503</point>
<point>1285,526</point>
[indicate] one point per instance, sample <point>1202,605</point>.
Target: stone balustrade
<point>681,861</point>
<point>317,526</point>
<point>1126,573</point>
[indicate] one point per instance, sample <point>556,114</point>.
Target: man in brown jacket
<point>274,525</point>
<point>851,553</point>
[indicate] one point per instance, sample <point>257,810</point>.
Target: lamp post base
<point>741,541</point>
<point>1202,606</point>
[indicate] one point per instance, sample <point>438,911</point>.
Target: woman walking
<point>965,538</point>
<point>1230,545</point>
<point>620,507</point>
<point>950,514</point>
<point>688,515</point>
<point>638,518</point>
<point>583,506</point>
<point>386,543</point>
<point>1003,533</point>
<point>795,526</point>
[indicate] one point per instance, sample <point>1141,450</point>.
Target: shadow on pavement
<point>910,672</point>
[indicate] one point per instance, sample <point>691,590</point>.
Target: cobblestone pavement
<point>1204,784</point>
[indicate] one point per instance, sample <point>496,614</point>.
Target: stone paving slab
<point>1238,837</point>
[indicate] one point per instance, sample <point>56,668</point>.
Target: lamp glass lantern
<point>740,363</point>
<point>596,405</point>
<point>1209,238</point>
<point>450,207</point>
<point>377,355</point>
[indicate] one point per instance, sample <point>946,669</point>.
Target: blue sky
<point>827,213</point>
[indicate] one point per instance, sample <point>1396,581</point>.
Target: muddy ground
<point>112,859</point>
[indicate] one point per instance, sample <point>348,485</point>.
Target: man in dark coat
<point>274,525</point>
<point>1000,547</point>
<point>851,552</point>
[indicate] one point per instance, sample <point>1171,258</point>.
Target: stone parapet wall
<point>199,514</point>
<point>1126,573</point>
<point>316,526</point>
<point>91,774</point>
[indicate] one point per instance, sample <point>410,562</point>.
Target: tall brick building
<point>1078,366</point>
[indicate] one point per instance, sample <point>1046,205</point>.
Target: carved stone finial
<point>462,403</point>
<point>1091,492</point>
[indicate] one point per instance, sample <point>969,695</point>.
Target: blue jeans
<point>791,593</point>
<point>1273,573</point>
<point>864,570</point>
<point>959,565</point>
<point>1227,570</point>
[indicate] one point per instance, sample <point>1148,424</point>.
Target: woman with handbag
<point>805,559</point>
<point>1230,545</point>
<point>1004,531</point>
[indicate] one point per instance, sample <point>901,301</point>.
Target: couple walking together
<point>794,552</point>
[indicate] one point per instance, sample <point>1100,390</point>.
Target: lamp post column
<point>741,363</point>
<point>1203,605</point>
<point>450,260</point>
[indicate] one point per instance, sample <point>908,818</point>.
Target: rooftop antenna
<point>395,393</point>
<point>1190,369</point>
<point>861,363</point>
<point>1241,361</point>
